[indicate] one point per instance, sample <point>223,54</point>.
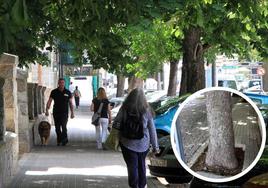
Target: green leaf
<point>178,33</point>
<point>248,26</point>
<point>200,18</point>
<point>19,12</point>
<point>208,1</point>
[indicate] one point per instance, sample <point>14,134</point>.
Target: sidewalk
<point>78,164</point>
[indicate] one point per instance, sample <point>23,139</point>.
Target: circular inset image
<point>218,134</point>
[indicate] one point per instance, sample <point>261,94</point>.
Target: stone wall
<point>9,144</point>
<point>2,125</point>
<point>23,117</point>
<point>8,158</point>
<point>8,71</point>
<point>35,99</point>
<point>22,105</point>
<point>30,94</point>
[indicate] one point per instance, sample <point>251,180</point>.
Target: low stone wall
<point>9,146</point>
<point>8,158</point>
<point>23,122</point>
<point>22,106</point>
<point>2,110</point>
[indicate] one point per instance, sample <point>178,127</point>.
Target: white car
<point>150,97</point>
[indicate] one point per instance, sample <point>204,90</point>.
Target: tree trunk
<point>193,71</point>
<point>159,81</point>
<point>120,85</point>
<point>265,76</point>
<point>221,151</point>
<point>213,75</point>
<point>173,78</point>
<point>134,82</point>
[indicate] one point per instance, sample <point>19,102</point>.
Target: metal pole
<point>60,66</point>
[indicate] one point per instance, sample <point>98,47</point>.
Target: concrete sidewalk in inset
<point>78,164</point>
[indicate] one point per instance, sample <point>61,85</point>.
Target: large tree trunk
<point>120,85</point>
<point>173,78</point>
<point>193,71</point>
<point>159,87</point>
<point>213,74</point>
<point>265,76</point>
<point>134,82</point>
<point>221,150</point>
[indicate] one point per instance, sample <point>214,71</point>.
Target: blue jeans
<point>136,167</point>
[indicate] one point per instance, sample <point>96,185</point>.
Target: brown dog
<point>44,132</point>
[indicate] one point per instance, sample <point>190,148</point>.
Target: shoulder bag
<point>96,116</point>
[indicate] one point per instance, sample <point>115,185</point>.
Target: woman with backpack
<point>101,104</point>
<point>137,132</point>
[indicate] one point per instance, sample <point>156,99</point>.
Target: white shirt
<point>71,88</point>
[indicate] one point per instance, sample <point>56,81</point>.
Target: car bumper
<point>166,168</point>
<point>168,172</point>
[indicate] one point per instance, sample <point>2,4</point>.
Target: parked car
<point>155,95</point>
<point>165,110</point>
<point>163,121</point>
<point>166,165</point>
<point>255,83</point>
<point>116,101</point>
<point>228,83</point>
<point>151,96</point>
<point>258,98</point>
<point>260,168</point>
<point>254,90</point>
<point>259,181</point>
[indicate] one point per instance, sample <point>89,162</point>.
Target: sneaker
<point>99,146</point>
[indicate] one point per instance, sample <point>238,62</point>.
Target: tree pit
<point>200,165</point>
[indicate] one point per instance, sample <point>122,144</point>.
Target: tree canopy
<point>125,36</point>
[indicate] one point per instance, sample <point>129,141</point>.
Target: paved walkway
<point>78,164</point>
<point>247,131</point>
<point>194,129</point>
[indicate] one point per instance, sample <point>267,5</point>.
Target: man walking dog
<point>62,99</point>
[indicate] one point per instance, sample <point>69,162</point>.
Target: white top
<point>71,88</point>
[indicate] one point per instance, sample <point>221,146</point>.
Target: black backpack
<point>132,126</point>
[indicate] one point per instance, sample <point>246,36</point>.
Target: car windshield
<point>254,83</point>
<point>153,96</point>
<point>227,83</point>
<point>168,103</point>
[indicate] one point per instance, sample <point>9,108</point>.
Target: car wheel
<point>178,179</point>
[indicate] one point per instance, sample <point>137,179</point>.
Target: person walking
<point>77,96</point>
<point>105,116</point>
<point>62,99</point>
<point>135,111</point>
<point>71,87</point>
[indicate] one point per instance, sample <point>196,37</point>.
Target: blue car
<point>165,110</point>
<point>258,98</point>
<point>163,121</point>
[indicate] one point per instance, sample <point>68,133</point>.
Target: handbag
<point>96,116</point>
<point>112,141</point>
